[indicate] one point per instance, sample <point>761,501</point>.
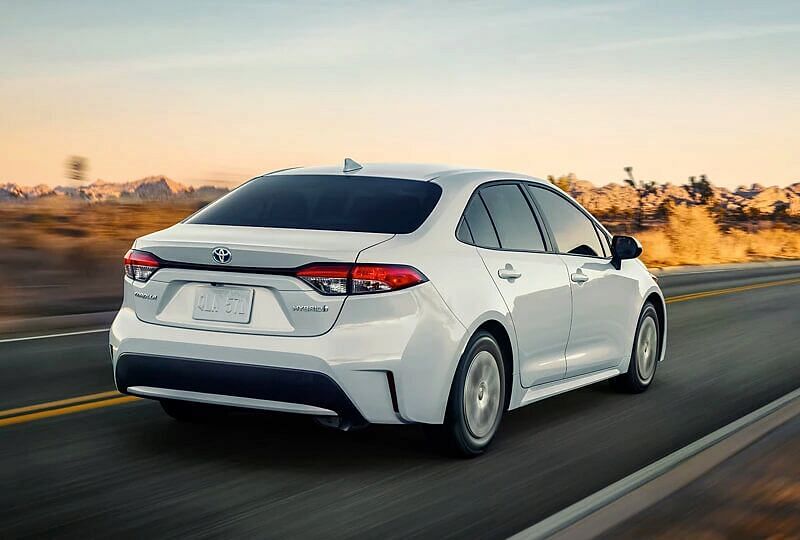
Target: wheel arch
<point>659,303</point>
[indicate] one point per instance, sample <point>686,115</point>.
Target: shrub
<point>692,236</point>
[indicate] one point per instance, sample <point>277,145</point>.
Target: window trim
<point>595,224</point>
<point>537,218</point>
<point>489,215</point>
<point>604,242</point>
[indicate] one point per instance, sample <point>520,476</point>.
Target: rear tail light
<point>326,278</point>
<point>368,278</point>
<point>140,265</point>
<point>360,278</point>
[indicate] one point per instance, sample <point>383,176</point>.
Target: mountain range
<point>752,200</point>
<point>152,188</point>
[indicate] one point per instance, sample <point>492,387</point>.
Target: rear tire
<point>644,356</point>
<point>477,400</point>
<point>188,411</point>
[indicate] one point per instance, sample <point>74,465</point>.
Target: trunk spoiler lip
<point>164,263</point>
<point>265,270</point>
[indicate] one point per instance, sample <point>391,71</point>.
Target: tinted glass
<point>604,242</point>
<point>480,225</point>
<point>574,232</point>
<point>512,218</point>
<point>325,202</point>
<point>463,233</point>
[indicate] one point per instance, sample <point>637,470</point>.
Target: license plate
<point>224,304</point>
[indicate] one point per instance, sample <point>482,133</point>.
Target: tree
<point>752,213</point>
<point>76,168</point>
<point>563,182</point>
<point>780,211</point>
<point>643,189</point>
<point>700,190</point>
<point>665,209</point>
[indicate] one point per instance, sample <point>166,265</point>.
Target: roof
<point>409,171</point>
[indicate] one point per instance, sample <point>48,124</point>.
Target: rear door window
<point>513,218</point>
<point>325,202</point>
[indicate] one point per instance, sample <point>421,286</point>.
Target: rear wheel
<point>188,411</point>
<point>644,357</point>
<point>477,399</point>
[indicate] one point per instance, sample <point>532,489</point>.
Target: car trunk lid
<point>254,291</point>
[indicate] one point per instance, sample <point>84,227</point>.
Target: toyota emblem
<point>221,255</point>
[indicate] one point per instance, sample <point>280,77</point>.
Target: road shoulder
<point>692,481</point>
<point>57,324</point>
<point>753,494</point>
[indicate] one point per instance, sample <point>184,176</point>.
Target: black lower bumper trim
<point>239,380</point>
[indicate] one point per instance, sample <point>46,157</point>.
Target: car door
<point>501,222</point>
<point>604,299</point>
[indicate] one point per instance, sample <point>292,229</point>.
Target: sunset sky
<point>222,91</point>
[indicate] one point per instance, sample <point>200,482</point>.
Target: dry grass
<point>62,256</point>
<point>692,236</point>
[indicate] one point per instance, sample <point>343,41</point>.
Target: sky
<point>206,91</point>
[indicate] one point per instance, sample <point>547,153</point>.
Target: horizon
<point>234,184</point>
<point>220,93</point>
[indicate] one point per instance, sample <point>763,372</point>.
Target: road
<point>127,470</point>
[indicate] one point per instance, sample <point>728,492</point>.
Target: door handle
<point>508,273</point>
<point>579,277</point>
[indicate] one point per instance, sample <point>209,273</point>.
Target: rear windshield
<point>325,202</point>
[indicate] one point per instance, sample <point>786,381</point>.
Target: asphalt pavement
<point>754,494</point>
<point>128,470</point>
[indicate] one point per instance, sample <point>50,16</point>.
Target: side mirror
<point>624,247</point>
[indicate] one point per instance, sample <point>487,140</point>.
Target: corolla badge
<point>311,309</point>
<point>221,255</point>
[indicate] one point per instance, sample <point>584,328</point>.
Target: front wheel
<point>477,399</point>
<point>644,356</point>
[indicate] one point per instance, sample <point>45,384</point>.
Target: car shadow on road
<point>281,441</point>
<point>289,441</point>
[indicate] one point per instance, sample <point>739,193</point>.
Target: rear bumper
<point>410,338</point>
<point>234,384</point>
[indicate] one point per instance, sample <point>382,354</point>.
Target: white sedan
<point>387,294</point>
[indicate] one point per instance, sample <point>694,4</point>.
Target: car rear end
<point>268,299</point>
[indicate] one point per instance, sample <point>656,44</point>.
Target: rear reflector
<point>140,265</point>
<point>360,278</point>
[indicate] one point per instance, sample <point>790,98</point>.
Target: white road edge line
<point>733,267</point>
<point>64,334</point>
<point>600,499</point>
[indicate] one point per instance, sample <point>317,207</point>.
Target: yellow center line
<point>718,292</point>
<point>21,415</point>
<point>23,418</point>
<point>60,402</point>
